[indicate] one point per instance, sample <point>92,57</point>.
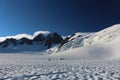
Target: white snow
<point>105,36</point>
<point>41,32</point>
<point>35,67</point>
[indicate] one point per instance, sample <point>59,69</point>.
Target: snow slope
<point>105,36</point>
<point>101,45</point>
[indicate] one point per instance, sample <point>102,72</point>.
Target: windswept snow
<point>34,67</point>
<point>94,52</point>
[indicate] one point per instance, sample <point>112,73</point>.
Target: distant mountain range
<point>40,42</point>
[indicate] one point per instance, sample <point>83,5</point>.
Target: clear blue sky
<point>62,16</point>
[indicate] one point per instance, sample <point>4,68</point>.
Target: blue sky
<point>62,16</point>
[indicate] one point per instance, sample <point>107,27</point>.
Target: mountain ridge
<point>43,39</point>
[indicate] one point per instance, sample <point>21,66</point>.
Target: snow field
<point>61,70</point>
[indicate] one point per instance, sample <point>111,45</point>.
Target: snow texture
<point>34,67</point>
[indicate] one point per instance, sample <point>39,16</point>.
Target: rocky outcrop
<point>53,38</point>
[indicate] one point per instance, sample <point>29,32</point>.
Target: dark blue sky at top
<point>62,16</point>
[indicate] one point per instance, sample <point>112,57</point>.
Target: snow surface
<point>105,36</point>
<point>35,67</point>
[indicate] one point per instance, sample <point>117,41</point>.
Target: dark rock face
<point>39,38</point>
<point>7,42</point>
<point>53,38</point>
<point>4,44</point>
<point>47,40</point>
<point>64,41</point>
<point>57,38</point>
<point>25,41</point>
<point>68,39</point>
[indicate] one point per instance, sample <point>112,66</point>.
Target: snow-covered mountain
<point>40,41</point>
<point>70,42</point>
<point>104,44</point>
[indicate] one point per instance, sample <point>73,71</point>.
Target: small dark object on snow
<point>61,58</point>
<point>49,59</point>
